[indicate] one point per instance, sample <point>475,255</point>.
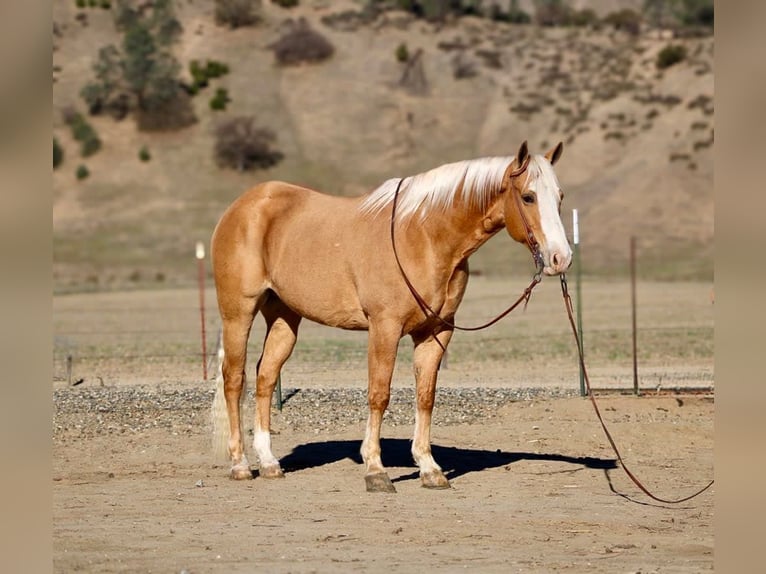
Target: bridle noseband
<point>534,246</point>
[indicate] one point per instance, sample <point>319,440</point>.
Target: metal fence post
<point>279,391</point>
<point>578,277</point>
<point>200,253</point>
<point>633,310</point>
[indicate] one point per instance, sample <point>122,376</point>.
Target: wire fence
<point>155,337</point>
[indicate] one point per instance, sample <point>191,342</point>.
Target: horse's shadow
<point>454,461</point>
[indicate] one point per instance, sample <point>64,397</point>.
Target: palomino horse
<point>291,252</point>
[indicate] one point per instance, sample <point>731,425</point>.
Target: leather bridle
<point>529,237</point>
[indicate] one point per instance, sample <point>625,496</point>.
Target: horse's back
<point>296,242</point>
<point>264,200</point>
<point>276,211</point>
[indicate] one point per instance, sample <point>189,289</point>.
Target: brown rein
<point>534,246</point>
<point>570,313</point>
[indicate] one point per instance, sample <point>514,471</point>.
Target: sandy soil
<point>534,489</point>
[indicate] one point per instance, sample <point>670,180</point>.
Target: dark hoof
<point>379,483</point>
<point>435,480</point>
<point>241,473</point>
<point>271,472</point>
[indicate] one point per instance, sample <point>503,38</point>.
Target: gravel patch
<point>102,411</point>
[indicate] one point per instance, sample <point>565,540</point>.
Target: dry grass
<point>153,337</point>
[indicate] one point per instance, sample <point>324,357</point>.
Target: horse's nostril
<point>556,259</point>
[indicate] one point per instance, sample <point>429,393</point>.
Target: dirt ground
<point>535,485</point>
<point>536,489</point>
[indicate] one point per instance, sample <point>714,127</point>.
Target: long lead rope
<point>427,310</point>
<point>570,313</point>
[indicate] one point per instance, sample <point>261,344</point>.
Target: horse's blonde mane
<point>436,189</point>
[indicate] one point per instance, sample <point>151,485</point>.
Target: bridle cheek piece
<point>530,239</point>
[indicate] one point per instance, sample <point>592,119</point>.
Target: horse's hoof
<point>379,483</point>
<point>241,473</point>
<point>434,479</point>
<point>274,471</point>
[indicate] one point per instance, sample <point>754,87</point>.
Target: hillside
<point>638,154</point>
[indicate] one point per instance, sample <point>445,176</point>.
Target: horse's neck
<point>459,232</point>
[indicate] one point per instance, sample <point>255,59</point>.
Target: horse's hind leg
<point>282,331</point>
<point>428,354</point>
<point>237,319</point>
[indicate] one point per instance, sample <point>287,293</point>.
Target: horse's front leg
<point>381,356</point>
<point>428,354</point>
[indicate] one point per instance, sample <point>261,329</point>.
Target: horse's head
<point>532,208</point>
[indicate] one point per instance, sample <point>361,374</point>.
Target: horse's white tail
<point>219,415</point>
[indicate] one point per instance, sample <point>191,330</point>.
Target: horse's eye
<point>528,198</point>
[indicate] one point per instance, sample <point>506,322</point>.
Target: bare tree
<point>241,145</point>
<point>237,13</point>
<point>301,43</point>
<point>414,76</point>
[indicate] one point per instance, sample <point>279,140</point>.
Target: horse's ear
<point>554,154</point>
<point>523,153</point>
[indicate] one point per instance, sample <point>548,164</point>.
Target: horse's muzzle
<point>557,262</point>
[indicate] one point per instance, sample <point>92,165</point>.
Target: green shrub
<point>105,91</point>
<point>696,12</point>
<point>82,172</point>
<point>286,3</point>
<point>402,53</point>
<point>706,15</point>
<point>434,10</point>
<point>81,129</point>
<point>94,95</point>
<point>670,55</point>
<point>90,146</point>
<point>625,20</point>
<point>215,69</point>
<point>517,16</point>
<point>440,10</point>
<point>468,8</point>
<point>584,18</point>
<point>143,154</point>
<point>219,101</point>
<point>81,3</point>
<point>552,13</point>
<point>84,133</point>
<point>201,75</point>
<point>58,153</point>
